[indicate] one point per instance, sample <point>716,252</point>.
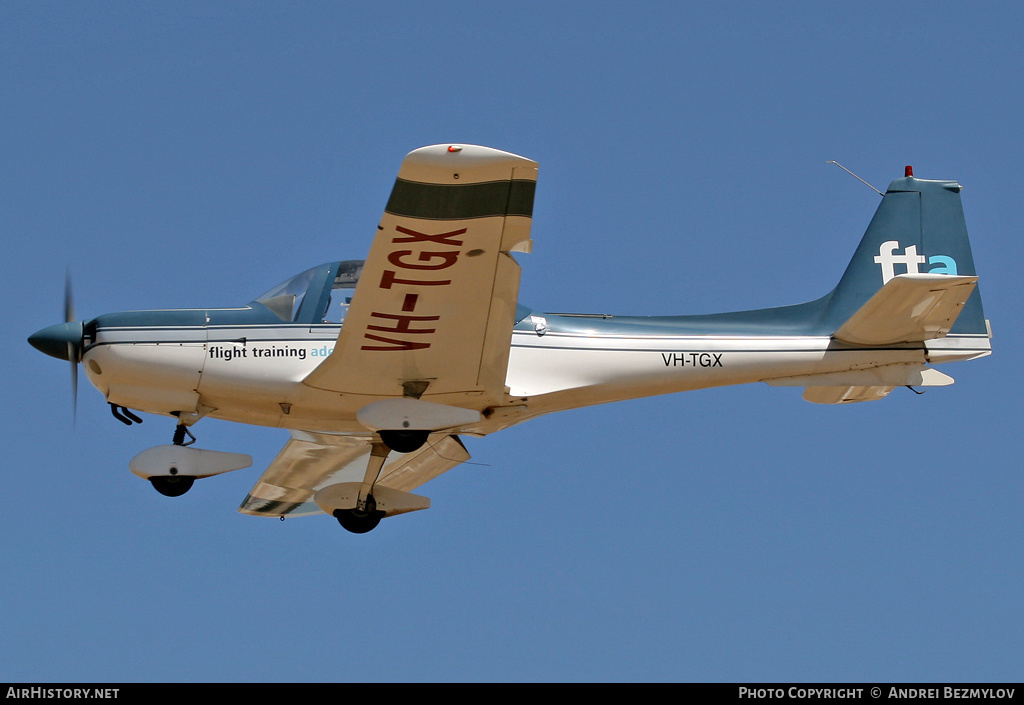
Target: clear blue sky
<point>195,154</point>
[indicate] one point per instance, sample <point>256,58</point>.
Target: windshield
<point>285,299</point>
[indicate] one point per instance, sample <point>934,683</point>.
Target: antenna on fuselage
<point>833,161</point>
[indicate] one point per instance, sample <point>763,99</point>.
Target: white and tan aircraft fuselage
<point>378,366</point>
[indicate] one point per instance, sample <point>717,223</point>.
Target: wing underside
<point>312,461</point>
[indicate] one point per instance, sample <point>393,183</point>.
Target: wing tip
<point>443,158</point>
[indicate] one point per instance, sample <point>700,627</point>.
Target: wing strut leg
<point>378,454</point>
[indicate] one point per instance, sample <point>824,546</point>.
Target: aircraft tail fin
<point>917,233</point>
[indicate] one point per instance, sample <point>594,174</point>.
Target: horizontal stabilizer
<point>909,308</point>
<point>914,375</point>
<point>845,395</point>
<point>864,385</point>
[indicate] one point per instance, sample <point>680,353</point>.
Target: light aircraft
<point>377,367</point>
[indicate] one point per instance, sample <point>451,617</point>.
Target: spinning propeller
<point>64,341</point>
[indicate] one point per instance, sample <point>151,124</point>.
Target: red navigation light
<point>454,148</point>
<point>908,171</point>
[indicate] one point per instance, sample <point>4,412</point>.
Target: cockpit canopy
<point>322,294</point>
<point>318,295</point>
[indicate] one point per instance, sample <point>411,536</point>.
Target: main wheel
<point>359,522</point>
<point>172,485</point>
<point>404,441</point>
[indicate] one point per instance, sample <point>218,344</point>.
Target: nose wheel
<point>171,485</point>
<point>175,485</point>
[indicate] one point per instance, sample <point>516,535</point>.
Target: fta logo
<point>888,259</point>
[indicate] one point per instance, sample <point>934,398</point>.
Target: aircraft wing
<point>311,461</point>
<point>434,308</point>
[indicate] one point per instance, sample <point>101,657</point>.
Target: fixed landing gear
<point>360,521</point>
<point>179,435</point>
<point>172,485</point>
<point>175,485</point>
<point>404,441</point>
<point>365,516</point>
<point>173,469</point>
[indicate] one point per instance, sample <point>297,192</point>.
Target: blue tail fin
<point>918,228</point>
